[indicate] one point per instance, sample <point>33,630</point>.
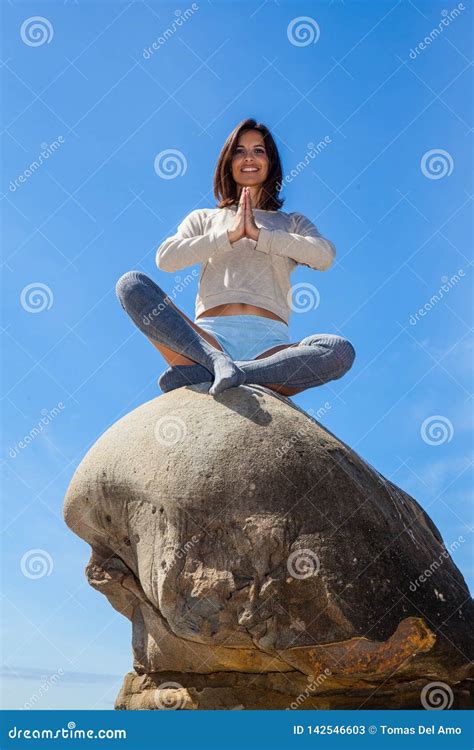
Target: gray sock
<point>316,360</point>
<point>155,315</point>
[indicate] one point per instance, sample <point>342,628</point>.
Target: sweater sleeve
<point>190,245</point>
<point>305,244</point>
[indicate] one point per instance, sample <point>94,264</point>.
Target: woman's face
<point>250,162</point>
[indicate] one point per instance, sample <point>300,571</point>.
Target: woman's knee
<point>340,347</point>
<point>345,353</point>
<point>129,283</point>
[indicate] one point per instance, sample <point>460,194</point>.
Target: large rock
<point>264,564</point>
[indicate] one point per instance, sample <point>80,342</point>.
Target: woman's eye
<point>240,151</point>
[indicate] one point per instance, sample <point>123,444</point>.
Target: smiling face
<point>250,162</point>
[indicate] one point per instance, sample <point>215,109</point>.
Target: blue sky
<point>391,188</point>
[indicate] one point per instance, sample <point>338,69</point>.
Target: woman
<point>247,249</point>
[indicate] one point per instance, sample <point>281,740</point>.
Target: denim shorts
<point>245,336</point>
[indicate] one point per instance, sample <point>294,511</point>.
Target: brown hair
<point>225,187</point>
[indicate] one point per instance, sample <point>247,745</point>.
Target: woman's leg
<point>283,389</point>
<point>172,357</point>
<point>315,360</point>
<point>155,315</point>
<point>177,376</point>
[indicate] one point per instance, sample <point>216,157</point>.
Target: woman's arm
<point>190,245</point>
<point>305,245</point>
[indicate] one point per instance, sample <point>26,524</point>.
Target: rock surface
<point>264,564</point>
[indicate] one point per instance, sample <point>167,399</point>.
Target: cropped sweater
<point>246,271</point>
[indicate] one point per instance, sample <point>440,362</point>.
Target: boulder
<point>264,564</point>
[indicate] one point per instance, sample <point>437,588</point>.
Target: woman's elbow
<point>165,260</point>
<point>327,261</point>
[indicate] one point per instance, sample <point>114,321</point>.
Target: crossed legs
<point>287,369</point>
<point>166,326</point>
<point>196,356</point>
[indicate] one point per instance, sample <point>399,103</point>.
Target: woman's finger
<point>242,200</point>
<point>249,206</point>
<point>240,205</point>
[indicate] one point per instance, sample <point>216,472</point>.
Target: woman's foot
<point>161,321</point>
<point>316,360</point>
<point>178,376</point>
<point>226,374</point>
<point>181,375</point>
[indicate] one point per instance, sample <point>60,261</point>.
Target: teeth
<point>250,169</point>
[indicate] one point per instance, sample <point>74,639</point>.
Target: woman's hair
<point>225,187</point>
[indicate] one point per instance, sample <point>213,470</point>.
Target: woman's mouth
<point>249,169</point>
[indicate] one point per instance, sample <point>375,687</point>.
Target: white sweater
<point>256,273</point>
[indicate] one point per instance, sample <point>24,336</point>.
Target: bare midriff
<point>239,308</point>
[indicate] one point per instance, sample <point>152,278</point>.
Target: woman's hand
<point>244,224</point>
<point>251,229</point>
<point>237,230</point>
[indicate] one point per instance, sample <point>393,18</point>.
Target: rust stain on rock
<point>361,656</point>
